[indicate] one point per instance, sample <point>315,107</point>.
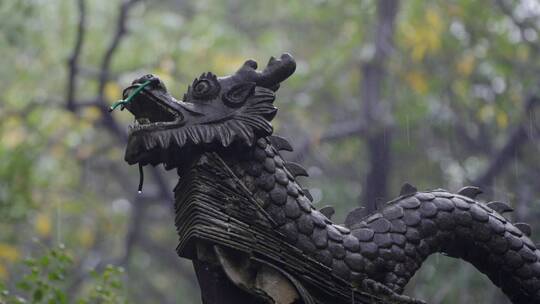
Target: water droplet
<point>408,132</point>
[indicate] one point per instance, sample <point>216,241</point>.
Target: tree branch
<point>73,62</point>
<point>165,195</point>
<point>336,131</point>
<point>510,149</point>
<point>113,46</point>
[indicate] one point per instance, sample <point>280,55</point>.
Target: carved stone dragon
<point>255,237</point>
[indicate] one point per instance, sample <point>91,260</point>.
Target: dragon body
<point>254,235</point>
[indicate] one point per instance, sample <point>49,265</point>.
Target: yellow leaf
<point>9,253</point>
<point>417,81</point>
<point>11,138</point>
<point>522,53</point>
<point>163,74</point>
<point>486,113</point>
<point>58,150</point>
<point>454,10</point>
<point>13,133</point>
<point>86,237</point>
<point>424,36</point>
<point>223,63</point>
<point>502,119</point>
<point>91,114</point>
<point>167,65</point>
<point>461,88</point>
<point>84,152</point>
<point>433,41</point>
<point>419,52</point>
<point>465,65</point>
<point>433,19</point>
<point>3,272</point>
<point>112,91</point>
<point>43,225</point>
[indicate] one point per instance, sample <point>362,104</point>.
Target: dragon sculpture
<point>251,230</point>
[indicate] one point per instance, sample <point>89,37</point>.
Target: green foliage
<point>45,281</point>
<point>108,287</point>
<point>455,88</point>
<point>16,173</point>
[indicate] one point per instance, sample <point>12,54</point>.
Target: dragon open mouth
<point>151,110</point>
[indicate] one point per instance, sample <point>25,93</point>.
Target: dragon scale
<point>390,245</point>
<point>241,212</point>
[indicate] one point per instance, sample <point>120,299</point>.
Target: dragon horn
<point>276,71</point>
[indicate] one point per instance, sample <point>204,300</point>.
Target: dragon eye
<point>238,94</point>
<point>206,87</point>
<point>202,87</point>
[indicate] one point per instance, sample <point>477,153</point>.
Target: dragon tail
<point>398,238</point>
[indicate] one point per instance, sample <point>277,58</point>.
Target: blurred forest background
<point>435,93</point>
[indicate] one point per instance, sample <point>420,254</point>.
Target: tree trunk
<point>378,137</point>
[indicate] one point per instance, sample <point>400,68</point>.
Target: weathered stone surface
<point>428,210</point>
<point>369,250</point>
<point>324,256</point>
<point>498,245</point>
<point>479,214</point>
<point>320,238</point>
<point>305,244</point>
<point>443,204</point>
<point>304,203</point>
<point>445,221</point>
<point>269,152</point>
<point>261,143</point>
<point>410,203</point>
<point>266,182</point>
<point>399,239</point>
<point>318,219</point>
<point>279,195</point>
<point>393,212</point>
<point>413,236</point>
<point>277,213</point>
<point>463,218</point>
<point>343,230</point>
<point>340,269</point>
<point>383,240</point>
<point>269,165</point>
<point>380,225</point>
<point>461,204</point>
<point>398,226</point>
<point>225,148</point>
<point>363,234</point>
<point>355,261</point>
<point>254,170</point>
<point>425,196</point>
<point>337,250</point>
<point>305,224</point>
<point>292,210</point>
<point>290,232</point>
<point>412,218</point>
<point>334,234</point>
<point>351,243</point>
<point>292,190</point>
<point>281,177</point>
<point>259,155</point>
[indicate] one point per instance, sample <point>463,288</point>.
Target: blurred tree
<point>456,105</point>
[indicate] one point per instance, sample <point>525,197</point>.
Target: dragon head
<point>215,113</point>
